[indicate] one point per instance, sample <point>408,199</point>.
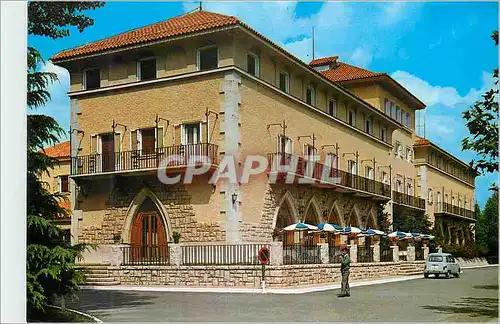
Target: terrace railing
<point>334,254</point>
<point>221,254</point>
<point>145,255</point>
<point>386,254</point>
<point>408,200</point>
<point>365,254</point>
<point>143,160</point>
<point>282,162</point>
<point>454,210</point>
<point>301,254</point>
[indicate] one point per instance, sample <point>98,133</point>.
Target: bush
<point>176,236</point>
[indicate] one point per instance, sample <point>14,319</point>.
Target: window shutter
<point>204,132</point>
<point>117,137</point>
<point>177,135</point>
<point>133,143</point>
<point>159,137</point>
<point>93,144</point>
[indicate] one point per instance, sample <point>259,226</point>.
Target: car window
<point>435,258</point>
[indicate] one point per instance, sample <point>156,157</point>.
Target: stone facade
<point>250,276</point>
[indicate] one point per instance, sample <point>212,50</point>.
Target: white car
<point>441,264</point>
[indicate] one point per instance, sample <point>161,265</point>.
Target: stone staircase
<point>97,274</point>
<point>409,269</point>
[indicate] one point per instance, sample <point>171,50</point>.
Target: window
<point>398,114</point>
<point>399,185</point>
<point>387,107</point>
<point>191,133</point>
<point>369,126</point>
<point>438,197</point>
<point>208,58</point>
<point>439,162</point>
<point>63,183</point>
<point>393,110</point>
<point>369,172</point>
<point>409,189</point>
<point>399,150</point>
<point>446,198</point>
<point>311,96</point>
<point>146,69</point>
<point>148,140</point>
<point>385,177</point>
<point>408,120</point>
<point>332,160</point>
<point>430,196</point>
<point>332,107</point>
<point>383,134</point>
<point>409,154</point>
<point>309,151</point>
<point>284,82</point>
<point>91,79</point>
<point>253,64</point>
<point>284,144</point>
<point>351,167</point>
<point>351,118</point>
<point>403,117</point>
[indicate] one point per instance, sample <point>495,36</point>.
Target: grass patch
<point>54,315</point>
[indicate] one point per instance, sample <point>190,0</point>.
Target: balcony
<point>408,200</point>
<point>449,209</point>
<point>280,164</point>
<point>140,160</point>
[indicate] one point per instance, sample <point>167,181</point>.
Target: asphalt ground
<point>471,298</point>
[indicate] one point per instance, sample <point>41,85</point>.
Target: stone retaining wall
<point>250,276</point>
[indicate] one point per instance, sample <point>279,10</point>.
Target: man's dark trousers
<point>345,289</point>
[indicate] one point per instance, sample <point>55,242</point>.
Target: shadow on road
<point>486,287</point>
<point>472,306</point>
<point>102,299</point>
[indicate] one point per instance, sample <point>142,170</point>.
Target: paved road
<point>472,297</point>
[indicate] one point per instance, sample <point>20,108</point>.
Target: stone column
<point>353,253</point>
<point>323,250</point>
<point>411,253</point>
<point>395,253</point>
<point>376,252</point>
<point>276,250</point>
<point>426,251</point>
<point>175,252</point>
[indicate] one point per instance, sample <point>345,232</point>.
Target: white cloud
<point>446,96</point>
<point>361,57</point>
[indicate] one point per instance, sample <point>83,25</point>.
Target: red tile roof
<point>189,23</point>
<point>61,150</point>
<point>324,61</point>
<point>422,141</point>
<point>344,72</point>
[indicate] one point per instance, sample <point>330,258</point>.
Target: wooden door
<point>108,152</point>
<point>148,236</point>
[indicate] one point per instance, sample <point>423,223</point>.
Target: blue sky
<point>442,52</point>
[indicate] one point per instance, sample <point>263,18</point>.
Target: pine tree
<point>50,261</point>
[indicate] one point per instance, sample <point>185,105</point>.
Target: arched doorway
<point>284,218</point>
<point>148,236</point>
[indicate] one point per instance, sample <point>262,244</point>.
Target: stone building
<point>208,84</point>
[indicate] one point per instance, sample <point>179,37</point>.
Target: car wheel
<point>457,275</point>
<point>426,275</point>
<point>448,275</point>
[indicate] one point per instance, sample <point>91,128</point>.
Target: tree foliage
<point>487,227</point>
<point>481,120</point>
<point>50,261</point>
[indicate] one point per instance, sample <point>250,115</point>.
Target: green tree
<point>481,120</point>
<point>50,261</point>
<point>487,226</point>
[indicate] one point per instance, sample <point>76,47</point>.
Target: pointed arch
<point>135,207</point>
<point>371,221</point>
<point>285,208</point>
<point>354,217</point>
<point>335,215</point>
<point>313,212</point>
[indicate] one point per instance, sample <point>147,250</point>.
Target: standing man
<point>345,291</point>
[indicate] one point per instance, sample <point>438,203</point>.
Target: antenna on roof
<point>200,7</point>
<point>313,42</point>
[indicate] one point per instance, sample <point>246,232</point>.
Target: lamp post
<point>207,114</point>
<point>282,144</point>
<point>157,121</point>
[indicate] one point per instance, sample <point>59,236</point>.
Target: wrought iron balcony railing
<point>408,200</point>
<point>178,156</point>
<point>282,164</point>
<point>454,210</point>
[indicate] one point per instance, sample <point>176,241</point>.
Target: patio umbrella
<point>351,229</point>
<point>397,234</point>
<point>327,227</point>
<point>370,232</point>
<point>427,236</point>
<point>300,227</point>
